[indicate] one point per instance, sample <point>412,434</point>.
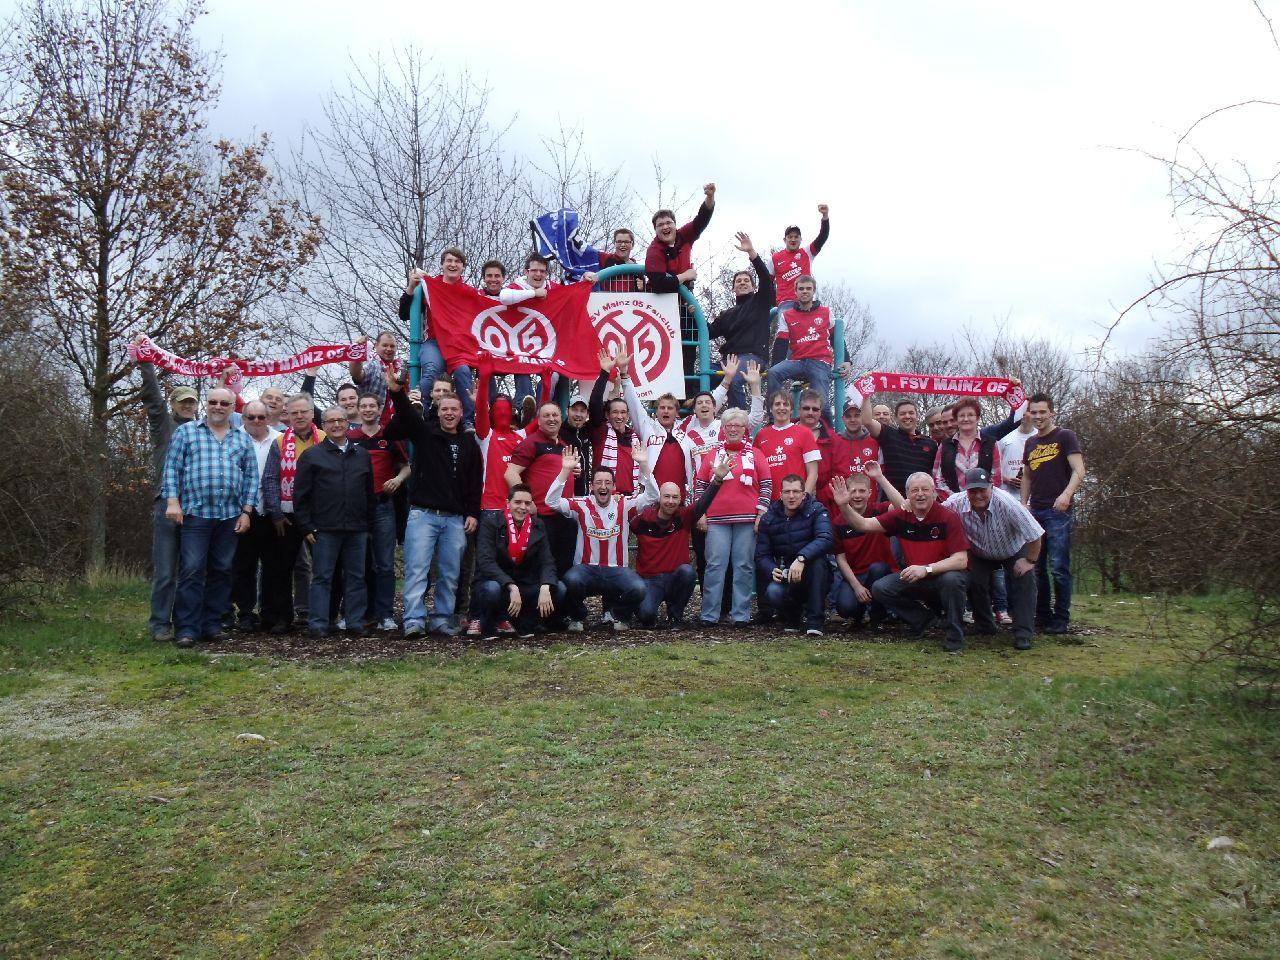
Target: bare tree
<point>118,216</point>
<point>405,163</point>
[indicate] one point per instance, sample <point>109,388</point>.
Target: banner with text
<point>884,382</point>
<point>648,325</point>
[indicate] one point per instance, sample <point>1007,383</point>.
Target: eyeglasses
<point>253,416</point>
<point>814,409</point>
<point>218,403</point>
<point>334,420</point>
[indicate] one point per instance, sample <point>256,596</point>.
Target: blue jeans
<point>1054,565</point>
<point>166,538</point>
<point>432,366</point>
<point>204,576</point>
<point>816,372</point>
<point>736,386</point>
<point>619,587</point>
<point>338,550</point>
<point>427,535</point>
<point>731,551</point>
<point>382,551</point>
<point>999,591</point>
<point>674,589</point>
<point>847,603</point>
<point>807,599</point>
<point>490,600</point>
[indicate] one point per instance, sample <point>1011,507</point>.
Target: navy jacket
<point>781,538</point>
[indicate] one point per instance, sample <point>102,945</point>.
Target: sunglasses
<point>218,403</point>
<point>253,416</point>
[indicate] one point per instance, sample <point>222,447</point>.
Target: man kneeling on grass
<point>604,525</point>
<point>791,548</point>
<point>515,573</point>
<point>937,553</point>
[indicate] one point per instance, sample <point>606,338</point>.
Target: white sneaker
<point>1004,618</point>
<point>620,625</point>
<point>575,626</point>
<point>473,628</point>
<point>813,632</point>
<point>387,625</point>
<point>968,616</point>
<point>341,624</point>
<point>608,617</point>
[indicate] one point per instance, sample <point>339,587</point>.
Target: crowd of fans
<point>513,512</point>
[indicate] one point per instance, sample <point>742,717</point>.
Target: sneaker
<point>790,629</point>
<point>506,627</point>
<point>414,631</point>
<point>607,617</point>
<point>1003,618</point>
<point>185,642</point>
<point>341,624</point>
<point>473,628</point>
<point>968,616</point>
<point>619,626</point>
<point>1058,629</point>
<point>162,636</point>
<point>1022,643</point>
<point>575,626</point>
<point>813,632</point>
<point>247,624</point>
<point>387,625</point>
<point>218,636</point>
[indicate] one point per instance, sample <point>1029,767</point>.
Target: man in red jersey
<point>668,264</point>
<point>793,261</point>
<point>536,461</point>
<point>788,447</point>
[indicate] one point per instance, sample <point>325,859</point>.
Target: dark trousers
<point>673,588</point>
<point>254,551</point>
<point>847,603</point>
<point>1021,591</point>
<point>490,600</point>
<point>562,537</point>
<point>620,587</point>
<point>806,599</point>
<point>943,594</point>
<point>340,553</point>
<point>277,577</point>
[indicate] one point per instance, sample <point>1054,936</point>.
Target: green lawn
<point>840,798</point>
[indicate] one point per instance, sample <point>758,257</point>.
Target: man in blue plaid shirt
<point>210,486</point>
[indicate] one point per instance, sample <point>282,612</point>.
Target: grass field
<point>838,798</point>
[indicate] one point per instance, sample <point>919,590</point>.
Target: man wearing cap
<point>162,420</point>
<point>1004,535</point>
<point>792,262</point>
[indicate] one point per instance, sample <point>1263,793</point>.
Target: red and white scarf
<point>744,468</point>
<point>609,456</point>
<point>518,539</point>
<point>881,382</point>
<point>144,351</point>
<point>288,465</point>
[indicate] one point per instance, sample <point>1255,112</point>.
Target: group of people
<point>513,513</point>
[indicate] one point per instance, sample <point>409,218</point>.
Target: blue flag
<point>556,235</point>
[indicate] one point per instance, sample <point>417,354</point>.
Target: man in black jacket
<point>745,325</point>
<point>444,506</point>
<point>515,574</point>
<point>791,546</point>
<point>333,505</point>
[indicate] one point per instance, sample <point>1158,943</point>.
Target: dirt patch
<point>63,710</point>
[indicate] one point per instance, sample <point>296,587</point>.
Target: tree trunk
<point>95,522</point>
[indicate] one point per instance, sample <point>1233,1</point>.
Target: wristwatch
<point>928,569</point>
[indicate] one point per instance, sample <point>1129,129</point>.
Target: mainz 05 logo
<point>532,335</point>
<point>646,335</point>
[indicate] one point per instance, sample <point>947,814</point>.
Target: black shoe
<point>918,634</point>
<point>185,642</point>
<point>220,636</point>
<point>1058,629</point>
<point>952,646</point>
<point>247,624</point>
<point>1022,643</point>
<point>278,629</point>
<point>317,634</point>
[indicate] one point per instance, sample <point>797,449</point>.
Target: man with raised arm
<point>609,429</point>
<point>603,520</point>
<point>861,558</point>
<point>794,261</point>
<point>670,451</point>
<point>903,451</point>
<point>745,325</point>
<point>668,265</point>
<point>937,555</point>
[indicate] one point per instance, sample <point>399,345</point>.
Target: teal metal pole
<point>415,336</point>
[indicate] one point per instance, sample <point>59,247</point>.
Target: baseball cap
<point>977,479</point>
<point>183,393</point>
<point>578,403</point>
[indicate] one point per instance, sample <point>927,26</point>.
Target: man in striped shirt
<point>210,485</point>
<point>604,525</point>
<point>1002,534</point>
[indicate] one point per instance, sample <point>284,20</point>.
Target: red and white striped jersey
<point>603,531</point>
<point>703,438</point>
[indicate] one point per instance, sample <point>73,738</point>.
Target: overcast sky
<point>982,160</point>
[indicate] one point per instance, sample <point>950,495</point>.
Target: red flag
<point>554,332</point>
